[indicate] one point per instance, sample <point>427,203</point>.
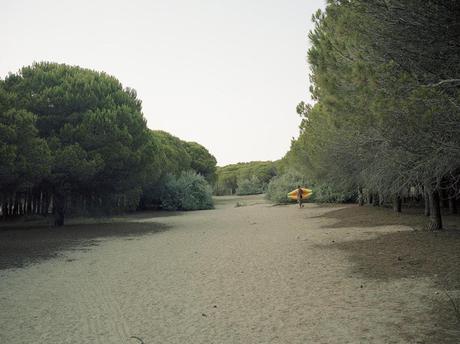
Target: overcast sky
<point>227,74</point>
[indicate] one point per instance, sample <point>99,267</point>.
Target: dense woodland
<point>73,140</point>
<point>245,178</point>
<point>386,120</point>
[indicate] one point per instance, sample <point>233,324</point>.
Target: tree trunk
<point>3,207</point>
<point>40,203</point>
<point>47,204</point>
<point>16,205</point>
<point>34,203</point>
<point>7,207</point>
<point>360,197</point>
<point>24,204</point>
<point>397,202</point>
<point>85,209</point>
<point>452,206</point>
<point>375,200</point>
<point>59,209</point>
<point>435,211</point>
<point>29,203</point>
<point>426,197</point>
<point>444,198</point>
<point>369,198</point>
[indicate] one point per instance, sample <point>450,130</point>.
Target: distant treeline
<point>244,178</point>
<point>74,140</point>
<point>386,121</point>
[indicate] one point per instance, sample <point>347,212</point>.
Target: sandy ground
<point>255,273</point>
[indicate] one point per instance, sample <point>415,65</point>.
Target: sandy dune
<point>250,274</point>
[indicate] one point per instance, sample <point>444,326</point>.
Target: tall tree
<point>387,116</point>
<point>93,127</point>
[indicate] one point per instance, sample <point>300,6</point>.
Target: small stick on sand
<point>139,339</point>
<point>454,305</point>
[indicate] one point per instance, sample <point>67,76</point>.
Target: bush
<point>325,194</point>
<point>279,187</point>
<point>190,191</point>
<point>251,186</point>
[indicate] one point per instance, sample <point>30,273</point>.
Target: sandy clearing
<point>250,274</point>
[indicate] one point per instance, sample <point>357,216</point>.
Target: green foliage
<point>169,155</point>
<point>201,160</point>
<point>230,177</point>
<point>326,194</point>
<point>387,109</point>
<point>189,191</point>
<point>25,158</point>
<point>78,137</point>
<point>174,157</point>
<point>252,186</point>
<point>280,186</point>
<point>91,124</point>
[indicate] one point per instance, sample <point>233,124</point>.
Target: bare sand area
<point>252,273</point>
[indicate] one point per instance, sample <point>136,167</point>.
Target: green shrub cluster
<point>189,191</point>
<point>326,194</point>
<point>279,186</point>
<point>385,117</point>
<point>250,186</point>
<point>247,177</point>
<point>75,141</point>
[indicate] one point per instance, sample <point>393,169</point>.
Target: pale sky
<point>227,74</point>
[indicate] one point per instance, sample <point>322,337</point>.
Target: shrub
<point>189,191</point>
<point>324,193</point>
<point>252,186</point>
<point>279,186</point>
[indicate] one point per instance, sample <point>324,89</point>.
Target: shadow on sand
<point>407,254</point>
<point>21,246</point>
<point>368,216</point>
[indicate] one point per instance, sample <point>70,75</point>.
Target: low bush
<point>252,186</point>
<point>325,194</point>
<point>189,191</point>
<point>279,186</point>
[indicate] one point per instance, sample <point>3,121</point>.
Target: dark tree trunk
<point>360,197</point>
<point>453,206</point>
<point>375,200</point>
<point>84,205</point>
<point>397,202</point>
<point>59,209</point>
<point>34,203</point>
<point>10,207</point>
<point>6,207</point>
<point>16,205</point>
<point>370,199</point>
<point>381,200</point>
<point>427,203</point>
<point>444,198</point>
<point>435,212</point>
<point>452,202</point>
<point>40,203</point>
<point>47,204</point>
<point>29,203</point>
<point>3,205</point>
<point>24,204</point>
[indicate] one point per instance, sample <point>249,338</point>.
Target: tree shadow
<point>407,254</point>
<point>22,246</point>
<point>367,216</point>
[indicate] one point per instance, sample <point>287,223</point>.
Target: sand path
<point>250,274</point>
